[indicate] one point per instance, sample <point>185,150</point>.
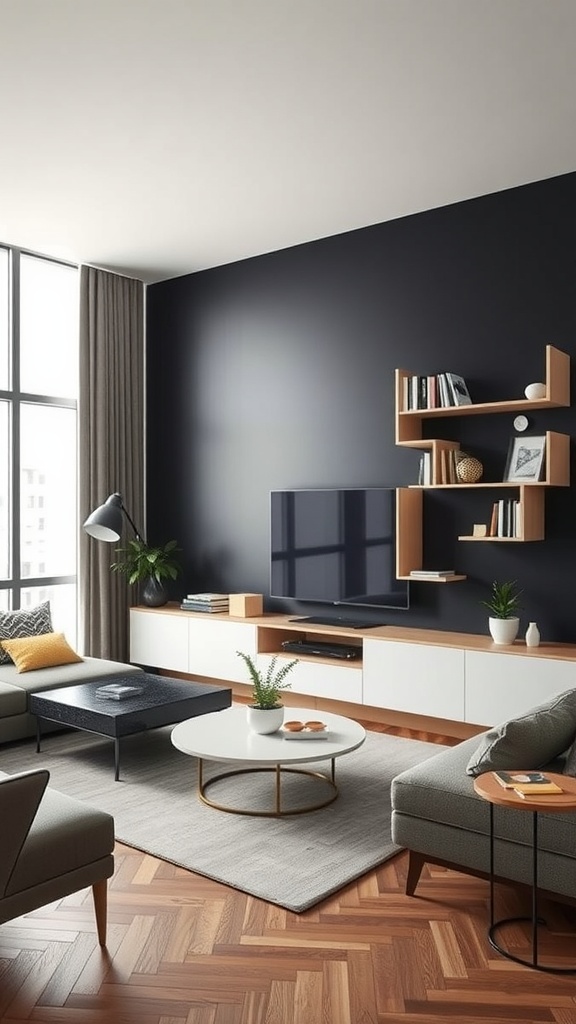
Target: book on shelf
<point>525,783</point>
<point>208,597</point>
<point>458,389</point>
<point>432,573</point>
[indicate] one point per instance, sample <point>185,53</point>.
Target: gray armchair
<point>52,845</point>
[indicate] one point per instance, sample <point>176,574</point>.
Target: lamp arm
<point>139,535</point>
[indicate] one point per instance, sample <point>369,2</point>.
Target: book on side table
<point>527,783</point>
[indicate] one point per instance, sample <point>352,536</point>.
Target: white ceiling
<point>160,137</point>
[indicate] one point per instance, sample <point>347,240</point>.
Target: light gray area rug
<point>294,861</point>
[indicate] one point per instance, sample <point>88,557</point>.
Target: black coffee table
<point>163,701</point>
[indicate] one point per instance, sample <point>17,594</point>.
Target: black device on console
<point>345,652</point>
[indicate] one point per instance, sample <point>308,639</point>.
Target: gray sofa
<point>439,818</point>
<point>15,720</point>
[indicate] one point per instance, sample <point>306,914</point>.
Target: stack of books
<point>527,784</point>
<point>205,603</point>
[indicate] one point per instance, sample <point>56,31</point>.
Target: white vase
<point>532,635</point>
<point>504,631</point>
<point>264,720</point>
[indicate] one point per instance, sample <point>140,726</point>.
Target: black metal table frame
<point>534,918</point>
<point>95,733</point>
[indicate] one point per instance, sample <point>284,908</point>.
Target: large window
<point>38,435</point>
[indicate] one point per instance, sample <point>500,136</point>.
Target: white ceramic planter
<point>504,631</point>
<point>266,720</point>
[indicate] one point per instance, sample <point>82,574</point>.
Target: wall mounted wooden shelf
<point>531,495</point>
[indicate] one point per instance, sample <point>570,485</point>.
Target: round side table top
<point>490,789</point>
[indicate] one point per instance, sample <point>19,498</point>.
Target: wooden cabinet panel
<point>415,678</point>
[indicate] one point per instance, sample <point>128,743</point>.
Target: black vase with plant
<point>151,566</point>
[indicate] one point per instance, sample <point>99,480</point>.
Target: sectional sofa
<point>439,818</point>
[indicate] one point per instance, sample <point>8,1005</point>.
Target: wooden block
<point>245,605</point>
<point>480,530</point>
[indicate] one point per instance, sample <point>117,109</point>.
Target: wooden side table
<point>489,789</point>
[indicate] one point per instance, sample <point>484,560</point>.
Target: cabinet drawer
<point>213,645</point>
<point>416,678</point>
<point>334,681</point>
<point>503,686</point>
<point>160,641</point>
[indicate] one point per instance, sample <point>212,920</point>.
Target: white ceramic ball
<point>534,391</point>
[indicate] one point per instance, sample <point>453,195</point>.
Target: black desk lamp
<point>105,522</point>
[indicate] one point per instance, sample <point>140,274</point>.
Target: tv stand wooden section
<point>460,679</point>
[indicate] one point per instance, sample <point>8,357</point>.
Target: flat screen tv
<point>336,546</point>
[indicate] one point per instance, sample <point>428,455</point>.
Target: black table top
<point>161,698</point>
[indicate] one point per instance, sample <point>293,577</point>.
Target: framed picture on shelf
<point>525,460</point>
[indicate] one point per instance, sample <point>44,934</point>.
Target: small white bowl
<point>534,391</point>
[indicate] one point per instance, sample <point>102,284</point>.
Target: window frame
<point>16,398</point>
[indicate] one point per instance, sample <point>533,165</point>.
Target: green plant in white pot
<point>266,713</point>
<point>503,606</point>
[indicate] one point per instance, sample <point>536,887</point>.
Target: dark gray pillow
<point>570,762</point>
<point>531,741</point>
<point>22,623</point>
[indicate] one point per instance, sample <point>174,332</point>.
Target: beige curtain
<point>111,447</point>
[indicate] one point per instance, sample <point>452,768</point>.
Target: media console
<point>458,678</point>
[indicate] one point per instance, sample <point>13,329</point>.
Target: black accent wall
<point>278,372</point>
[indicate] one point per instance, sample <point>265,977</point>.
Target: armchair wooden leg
<point>100,897</point>
<point>415,864</point>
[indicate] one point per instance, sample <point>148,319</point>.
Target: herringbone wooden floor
<point>185,950</point>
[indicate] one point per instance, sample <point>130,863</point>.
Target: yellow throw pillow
<point>31,652</point>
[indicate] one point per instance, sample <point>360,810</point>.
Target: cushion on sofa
<point>531,741</point>
<point>570,761</point>
<point>44,651</point>
<point>22,623</point>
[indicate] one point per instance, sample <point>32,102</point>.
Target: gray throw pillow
<point>570,762</point>
<point>23,623</point>
<point>531,741</point>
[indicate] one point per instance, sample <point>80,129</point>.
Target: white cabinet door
<point>213,645</point>
<point>159,640</point>
<point>503,686</point>
<point>416,678</point>
<point>317,679</point>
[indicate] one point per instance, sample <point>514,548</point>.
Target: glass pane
<point>62,599</point>
<point>5,600</point>
<point>48,514</point>
<point>4,323</point>
<point>48,328</point>
<point>5,450</point>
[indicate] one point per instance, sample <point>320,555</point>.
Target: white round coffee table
<point>224,736</point>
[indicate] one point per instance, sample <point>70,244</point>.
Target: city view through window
<point>38,436</point>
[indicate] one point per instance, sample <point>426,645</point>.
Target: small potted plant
<point>503,605</point>
<point>266,713</point>
<point>151,566</point>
